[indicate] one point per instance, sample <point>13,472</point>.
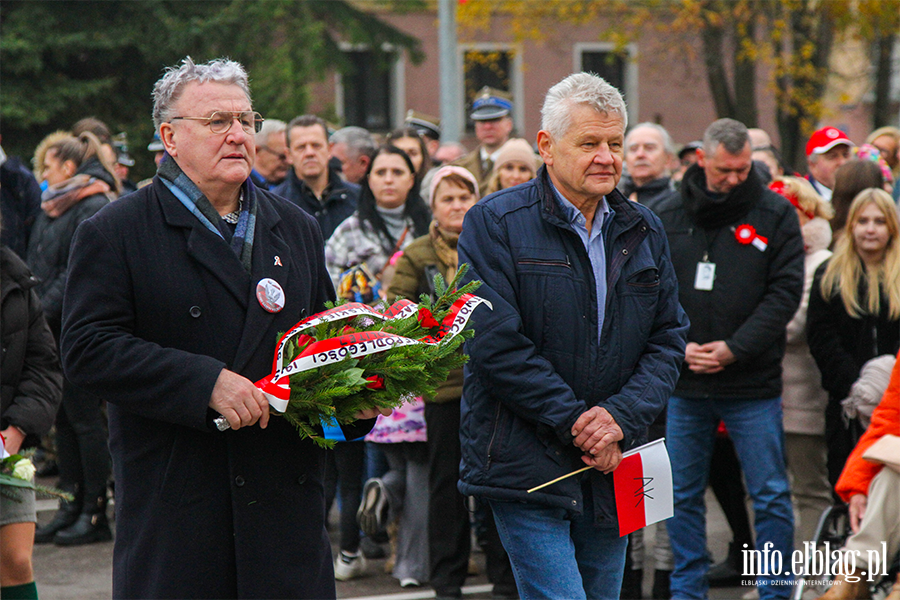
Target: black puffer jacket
<point>841,344</point>
<point>48,247</point>
<point>29,370</point>
<point>757,287</point>
<point>339,200</point>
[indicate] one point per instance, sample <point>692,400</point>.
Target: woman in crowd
<point>409,140</point>
<point>81,182</point>
<point>516,163</point>
<point>390,214</point>
<point>854,310</point>
<point>453,191</point>
<point>804,398</point>
<point>31,391</point>
<point>850,179</point>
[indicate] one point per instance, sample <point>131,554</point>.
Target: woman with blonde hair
<point>516,163</point>
<point>804,399</point>
<point>854,310</point>
<point>81,182</point>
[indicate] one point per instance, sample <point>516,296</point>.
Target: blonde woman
<point>854,310</point>
<point>516,163</point>
<point>804,397</point>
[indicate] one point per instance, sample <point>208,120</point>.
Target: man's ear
<point>701,158</point>
<point>167,137</point>
<point>545,147</point>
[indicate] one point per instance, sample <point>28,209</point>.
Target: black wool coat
<point>156,305</point>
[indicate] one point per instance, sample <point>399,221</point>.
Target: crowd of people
<point>702,292</point>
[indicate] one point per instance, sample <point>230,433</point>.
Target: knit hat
<point>515,149</point>
<point>448,170</point>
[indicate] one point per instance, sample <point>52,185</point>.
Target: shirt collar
<point>573,214</point>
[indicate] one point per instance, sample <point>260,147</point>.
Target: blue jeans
<point>558,556</point>
<point>755,426</point>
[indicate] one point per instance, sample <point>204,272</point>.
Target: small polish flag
<point>643,484</point>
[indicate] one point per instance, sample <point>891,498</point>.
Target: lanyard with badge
<point>706,269</point>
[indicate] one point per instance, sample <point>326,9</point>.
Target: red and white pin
<point>746,234</point>
<point>270,295</point>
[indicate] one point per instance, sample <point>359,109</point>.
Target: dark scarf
<point>711,211</point>
<point>242,239</point>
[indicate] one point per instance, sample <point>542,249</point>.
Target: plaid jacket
<point>355,242</point>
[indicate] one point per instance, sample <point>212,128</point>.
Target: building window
<point>368,89</point>
<point>617,66</point>
<point>607,65</point>
<point>487,67</point>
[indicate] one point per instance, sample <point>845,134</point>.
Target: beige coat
<point>803,395</point>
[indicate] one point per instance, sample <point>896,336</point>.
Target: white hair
<point>168,89</point>
<point>668,144</point>
<point>579,89</point>
<point>269,127</point>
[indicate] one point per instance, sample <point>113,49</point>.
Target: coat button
<point>239,481</point>
<point>302,479</point>
<point>195,311</point>
<point>574,502</point>
<point>625,252</point>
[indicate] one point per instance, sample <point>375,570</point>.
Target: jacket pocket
<point>647,279</point>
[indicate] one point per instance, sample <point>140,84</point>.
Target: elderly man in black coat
<point>170,315</point>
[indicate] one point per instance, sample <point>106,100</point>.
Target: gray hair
<point>358,140</point>
<point>168,89</point>
<point>579,88</point>
<point>727,132</point>
<point>269,127</point>
<point>668,144</point>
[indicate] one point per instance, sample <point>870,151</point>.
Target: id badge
<point>706,274</point>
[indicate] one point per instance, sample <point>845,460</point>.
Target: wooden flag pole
<point>543,485</point>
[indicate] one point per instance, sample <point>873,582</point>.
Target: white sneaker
<point>349,566</point>
<point>408,582</point>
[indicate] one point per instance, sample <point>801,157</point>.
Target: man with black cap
<point>429,128</point>
<point>490,111</point>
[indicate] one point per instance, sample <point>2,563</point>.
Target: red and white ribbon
<point>276,386</point>
<point>746,234</point>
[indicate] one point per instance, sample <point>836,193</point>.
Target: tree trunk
<point>745,75</point>
<point>881,113</point>
<point>797,119</point>
<point>713,37</point>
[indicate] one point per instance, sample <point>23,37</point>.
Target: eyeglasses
<point>282,157</point>
<point>220,121</point>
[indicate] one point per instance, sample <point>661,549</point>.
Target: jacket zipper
<point>493,435</point>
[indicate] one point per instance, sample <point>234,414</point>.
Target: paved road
<point>85,573</point>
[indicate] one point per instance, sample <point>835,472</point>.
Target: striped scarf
<point>193,199</point>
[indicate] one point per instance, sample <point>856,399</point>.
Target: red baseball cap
<point>825,139</point>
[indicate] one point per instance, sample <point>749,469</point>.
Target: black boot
<point>728,572</point>
<point>631,584</point>
<point>91,526</point>
<point>65,517</point>
<point>661,585</point>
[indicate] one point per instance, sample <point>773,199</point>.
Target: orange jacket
<point>858,473</point>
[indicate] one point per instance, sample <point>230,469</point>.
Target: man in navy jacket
<point>580,351</point>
